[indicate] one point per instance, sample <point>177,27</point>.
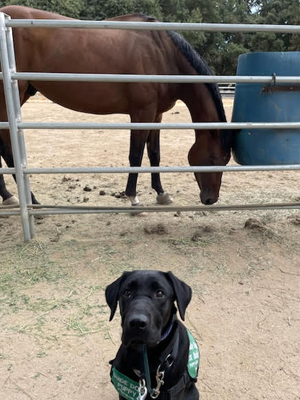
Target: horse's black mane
<point>196,61</point>
<point>200,67</point>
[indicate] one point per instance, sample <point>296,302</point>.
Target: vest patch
<point>194,357</point>
<point>126,387</point>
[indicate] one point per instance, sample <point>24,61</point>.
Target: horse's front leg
<point>153,148</point>
<point>137,145</point>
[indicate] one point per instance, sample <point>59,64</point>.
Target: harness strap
<point>172,393</point>
<point>146,369</point>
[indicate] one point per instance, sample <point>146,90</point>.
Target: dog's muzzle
<point>142,324</point>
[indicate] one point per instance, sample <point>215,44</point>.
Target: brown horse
<point>106,51</point>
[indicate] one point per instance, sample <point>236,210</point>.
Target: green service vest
<point>128,388</point>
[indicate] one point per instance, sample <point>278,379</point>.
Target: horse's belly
<point>85,97</point>
<point>107,98</point>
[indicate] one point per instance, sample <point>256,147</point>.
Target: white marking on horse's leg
<point>11,201</point>
<point>164,199</point>
<point>134,200</point>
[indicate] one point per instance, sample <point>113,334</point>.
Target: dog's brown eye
<point>127,293</point>
<point>159,293</point>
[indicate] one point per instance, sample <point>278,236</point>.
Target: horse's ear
<point>112,294</point>
<point>183,293</point>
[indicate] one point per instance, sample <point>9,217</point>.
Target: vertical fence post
<point>13,108</point>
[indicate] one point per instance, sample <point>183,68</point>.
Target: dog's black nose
<point>138,322</point>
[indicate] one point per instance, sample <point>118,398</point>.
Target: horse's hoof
<point>138,213</point>
<point>39,216</point>
<point>134,200</point>
<point>11,201</point>
<point>164,199</point>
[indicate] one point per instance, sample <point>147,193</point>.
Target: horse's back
<point>22,12</point>
<point>137,17</point>
<point>78,50</point>
<point>95,51</point>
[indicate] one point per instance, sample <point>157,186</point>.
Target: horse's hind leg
<point>25,91</point>
<point>8,158</point>
<point>153,148</point>
<point>7,197</point>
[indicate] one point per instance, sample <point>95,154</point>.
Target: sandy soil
<point>243,267</point>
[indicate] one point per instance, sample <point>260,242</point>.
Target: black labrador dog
<point>158,357</point>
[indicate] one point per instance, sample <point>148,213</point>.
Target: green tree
<point>276,12</point>
<point>294,44</point>
<point>101,9</point>
<point>219,49</point>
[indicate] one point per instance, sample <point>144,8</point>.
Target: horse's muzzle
<point>208,200</point>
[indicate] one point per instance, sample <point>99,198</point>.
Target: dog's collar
<point>167,331</point>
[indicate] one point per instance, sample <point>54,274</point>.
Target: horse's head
<point>210,148</point>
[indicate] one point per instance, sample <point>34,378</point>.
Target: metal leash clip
<point>142,390</point>
<point>159,382</point>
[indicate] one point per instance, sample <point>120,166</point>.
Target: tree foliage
<point>220,49</point>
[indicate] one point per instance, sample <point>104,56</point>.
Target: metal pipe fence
<point>158,26</point>
<point>10,78</point>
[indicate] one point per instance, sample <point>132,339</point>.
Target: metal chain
<point>142,390</point>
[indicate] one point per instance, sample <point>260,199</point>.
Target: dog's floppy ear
<point>183,293</point>
<point>112,293</point>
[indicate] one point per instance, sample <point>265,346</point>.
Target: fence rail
<point>227,90</point>
<point>158,26</point>
<point>10,80</point>
<point>151,78</point>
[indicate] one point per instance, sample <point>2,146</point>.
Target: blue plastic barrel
<point>256,102</point>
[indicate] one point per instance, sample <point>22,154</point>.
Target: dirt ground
<point>243,267</point>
